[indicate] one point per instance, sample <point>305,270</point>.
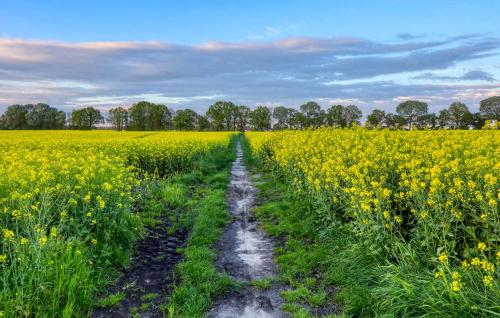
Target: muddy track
<point>245,253</point>
<point>148,281</point>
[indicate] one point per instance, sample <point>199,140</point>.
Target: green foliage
<point>376,118</point>
<point>263,283</point>
<point>412,111</point>
<point>149,116</point>
<point>260,118</point>
<point>111,300</point>
<point>199,280</point>
<point>39,116</point>
<point>185,119</point>
<point>118,117</point>
<point>313,116</point>
<point>86,118</point>
<point>343,116</point>
<point>490,108</point>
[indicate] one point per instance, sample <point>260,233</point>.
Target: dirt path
<point>246,254</point>
<point>148,281</point>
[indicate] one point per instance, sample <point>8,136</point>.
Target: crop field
<point>66,209</point>
<point>429,200</point>
<point>358,222</point>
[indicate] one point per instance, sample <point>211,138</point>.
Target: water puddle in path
<point>245,253</point>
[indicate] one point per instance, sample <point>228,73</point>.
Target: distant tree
<point>291,121</point>
<point>427,121</point>
<point>185,119</point>
<point>393,121</point>
<point>230,112</point>
<point>443,118</point>
<point>376,118</point>
<point>490,108</point>
<point>149,116</point>
<point>15,117</point>
<point>242,117</point>
<point>477,121</point>
<point>351,115</point>
<point>86,118</point>
<point>260,118</point>
<point>312,114</point>
<point>335,116</point>
<point>412,111</point>
<point>459,115</point>
<point>343,116</point>
<point>298,120</point>
<point>118,118</point>
<point>42,116</point>
<point>217,115</point>
<point>282,116</point>
<point>203,124</point>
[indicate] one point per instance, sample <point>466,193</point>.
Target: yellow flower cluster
<point>438,189</point>
<point>63,191</point>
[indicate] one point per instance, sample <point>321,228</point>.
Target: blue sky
<point>191,53</point>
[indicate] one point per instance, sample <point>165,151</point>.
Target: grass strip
<point>199,280</point>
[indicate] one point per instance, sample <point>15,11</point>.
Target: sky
<point>374,54</point>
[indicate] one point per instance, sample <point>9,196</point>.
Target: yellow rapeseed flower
<point>8,234</point>
<point>443,258</point>
<point>488,280</point>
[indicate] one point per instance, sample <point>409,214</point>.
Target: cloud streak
<point>287,70</point>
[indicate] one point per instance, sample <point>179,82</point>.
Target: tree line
<point>224,115</point>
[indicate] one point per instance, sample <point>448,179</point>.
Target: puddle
<point>245,253</point>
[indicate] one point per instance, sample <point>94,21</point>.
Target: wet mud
<point>149,280</point>
<point>246,254</point>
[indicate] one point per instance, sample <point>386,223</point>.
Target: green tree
<point>260,118</point>
<point>427,121</point>
<point>312,113</point>
<point>490,108</point>
<point>292,118</point>
<point>203,124</point>
<point>376,118</point>
<point>216,113</point>
<point>443,118</point>
<point>412,111</point>
<point>351,115</point>
<point>393,121</point>
<point>118,117</point>
<point>477,120</point>
<point>242,117</point>
<point>86,118</point>
<point>282,116</point>
<point>335,116</point>
<point>298,120</point>
<point>459,115</point>
<point>185,119</point>
<point>15,117</point>
<point>42,116</point>
<point>149,116</point>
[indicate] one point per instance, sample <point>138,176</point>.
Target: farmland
<point>66,209</point>
<point>363,222</point>
<point>423,205</point>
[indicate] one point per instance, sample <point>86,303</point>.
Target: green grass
<point>263,283</point>
<point>111,300</point>
<point>206,216</point>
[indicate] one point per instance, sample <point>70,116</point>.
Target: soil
<point>246,254</point>
<point>148,281</point>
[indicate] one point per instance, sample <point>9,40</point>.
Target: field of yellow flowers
<point>433,194</point>
<point>66,202</point>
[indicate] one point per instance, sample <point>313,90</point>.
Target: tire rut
<point>246,254</point>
